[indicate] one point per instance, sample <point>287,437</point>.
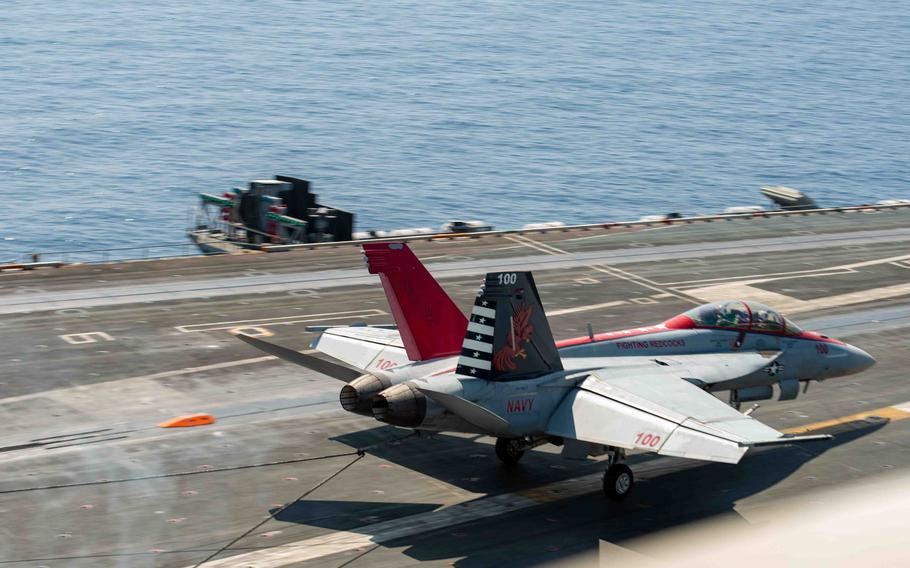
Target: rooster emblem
<point>521,331</point>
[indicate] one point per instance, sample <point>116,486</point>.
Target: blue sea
<point>115,114</point>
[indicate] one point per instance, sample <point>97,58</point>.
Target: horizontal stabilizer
<point>472,412</point>
<point>328,368</point>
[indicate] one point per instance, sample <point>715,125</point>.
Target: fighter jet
<point>500,372</point>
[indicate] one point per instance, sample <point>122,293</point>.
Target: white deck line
<point>485,507</point>
<point>220,286</point>
<point>321,546</point>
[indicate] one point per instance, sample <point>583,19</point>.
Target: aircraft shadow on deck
<point>348,515</point>
<point>681,492</point>
<point>469,463</point>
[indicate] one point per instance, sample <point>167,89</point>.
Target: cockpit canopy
<point>745,316</point>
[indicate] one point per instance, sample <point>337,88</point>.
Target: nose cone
<point>858,360</point>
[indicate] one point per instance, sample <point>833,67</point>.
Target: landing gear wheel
<point>508,450</point>
<point>618,481</point>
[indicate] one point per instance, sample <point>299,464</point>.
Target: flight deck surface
<point>95,356</point>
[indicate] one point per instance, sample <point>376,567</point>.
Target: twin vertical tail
<point>508,336</point>
<point>430,323</point>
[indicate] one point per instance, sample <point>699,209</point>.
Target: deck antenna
<point>590,332</point>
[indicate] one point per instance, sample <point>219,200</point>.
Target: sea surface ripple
<point>115,114</point>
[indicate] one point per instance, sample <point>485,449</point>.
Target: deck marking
<point>744,287</point>
<point>161,375</point>
<point>644,282</point>
<point>827,271</point>
<point>304,293</point>
<point>287,320</point>
<point>470,511</point>
<point>791,305</point>
<point>616,232</point>
<point>72,312</point>
<point>85,337</point>
<point>530,244</point>
<point>221,286</point>
<point>818,272</point>
<point>607,269</point>
<point>892,413</point>
<point>586,308</point>
<point>251,331</point>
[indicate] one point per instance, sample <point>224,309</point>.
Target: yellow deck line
<point>891,413</point>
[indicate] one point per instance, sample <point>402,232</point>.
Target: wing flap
<point>692,444</point>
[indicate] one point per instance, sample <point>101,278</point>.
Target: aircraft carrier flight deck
<point>95,356</point>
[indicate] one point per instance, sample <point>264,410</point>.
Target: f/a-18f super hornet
<point>500,372</point>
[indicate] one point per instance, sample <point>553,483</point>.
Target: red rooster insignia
<point>504,360</point>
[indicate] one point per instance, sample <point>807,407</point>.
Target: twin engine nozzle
<point>399,405</point>
<point>357,395</point>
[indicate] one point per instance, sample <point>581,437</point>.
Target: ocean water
<point>115,114</point>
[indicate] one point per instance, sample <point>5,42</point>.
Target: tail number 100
<point>508,278</point>
<point>648,440</point>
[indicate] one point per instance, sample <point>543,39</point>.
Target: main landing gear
<point>510,450</point>
<point>618,479</point>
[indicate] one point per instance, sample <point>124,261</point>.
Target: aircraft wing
<point>655,410</point>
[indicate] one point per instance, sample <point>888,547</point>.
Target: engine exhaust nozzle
<point>357,396</point>
<point>400,405</point>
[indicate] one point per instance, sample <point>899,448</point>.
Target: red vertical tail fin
<point>430,323</point>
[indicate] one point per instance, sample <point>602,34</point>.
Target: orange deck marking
<point>188,420</point>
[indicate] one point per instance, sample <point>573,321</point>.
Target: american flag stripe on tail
<point>477,349</point>
<point>483,312</point>
<point>481,328</point>
<point>474,345</point>
<point>470,362</point>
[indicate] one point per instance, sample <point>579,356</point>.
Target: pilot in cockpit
<point>733,314</point>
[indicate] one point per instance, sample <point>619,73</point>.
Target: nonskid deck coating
<point>165,358</point>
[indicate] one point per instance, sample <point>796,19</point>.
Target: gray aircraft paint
<point>528,405</point>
